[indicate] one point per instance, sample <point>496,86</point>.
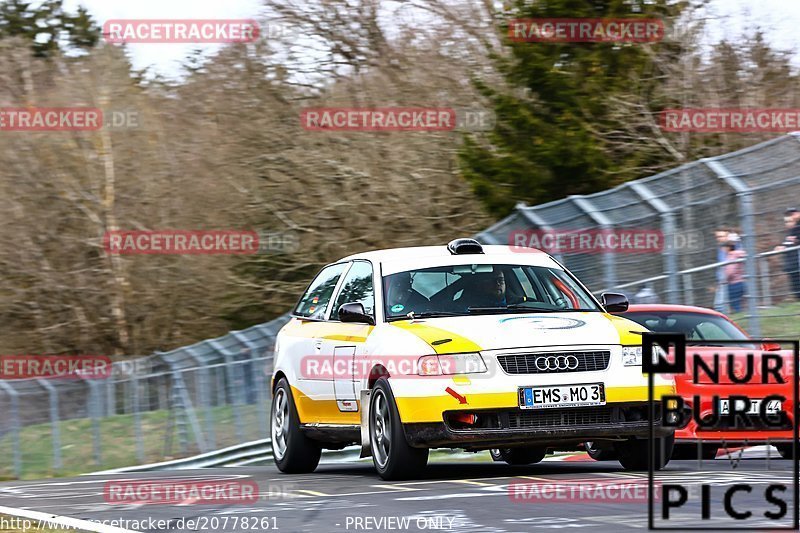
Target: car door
<point>303,342</point>
<point>347,343</point>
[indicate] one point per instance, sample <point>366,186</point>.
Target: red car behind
<point>701,327</point>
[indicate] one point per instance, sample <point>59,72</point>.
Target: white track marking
<point>75,523</point>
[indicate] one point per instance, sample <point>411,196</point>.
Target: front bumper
<point>549,427</point>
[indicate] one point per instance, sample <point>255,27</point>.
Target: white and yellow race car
<point>459,346</point>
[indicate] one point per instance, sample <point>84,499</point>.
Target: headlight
<point>450,364</point>
<point>632,355</point>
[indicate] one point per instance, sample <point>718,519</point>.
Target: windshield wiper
<point>522,307</point>
<point>425,314</point>
<point>510,307</point>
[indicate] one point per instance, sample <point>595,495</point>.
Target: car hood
<point>506,331</point>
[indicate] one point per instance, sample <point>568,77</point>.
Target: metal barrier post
<point>137,418</point>
<point>235,392</point>
<point>610,272</point>
<point>204,398</point>
<point>94,407</point>
<point>260,383</point>
<point>54,421</point>
<point>766,292</point>
<point>745,199</point>
<point>15,444</point>
<point>668,229</point>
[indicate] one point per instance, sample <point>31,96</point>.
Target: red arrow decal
<point>457,396</point>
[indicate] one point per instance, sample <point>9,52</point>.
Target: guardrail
<point>240,455</point>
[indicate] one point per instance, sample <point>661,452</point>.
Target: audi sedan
<point>458,346</point>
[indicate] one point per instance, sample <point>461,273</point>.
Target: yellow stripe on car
<point>629,331</point>
<point>312,411</point>
<point>441,340</point>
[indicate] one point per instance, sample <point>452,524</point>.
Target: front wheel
<point>391,454</point>
<point>294,453</point>
<point>633,453</point>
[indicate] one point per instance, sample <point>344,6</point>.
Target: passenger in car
<point>402,298</point>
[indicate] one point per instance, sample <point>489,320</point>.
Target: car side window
<point>707,330</point>
<point>315,301</point>
<point>357,287</point>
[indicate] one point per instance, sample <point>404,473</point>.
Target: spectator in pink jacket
<point>734,275</point>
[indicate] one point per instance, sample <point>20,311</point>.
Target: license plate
<point>562,396</point>
<point>773,407</point>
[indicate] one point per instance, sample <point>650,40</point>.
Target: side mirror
<point>614,302</point>
<point>354,312</point>
<point>769,346</point>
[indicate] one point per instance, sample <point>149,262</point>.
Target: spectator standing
<point>791,260</point>
<point>734,276</point>
<point>721,235</point>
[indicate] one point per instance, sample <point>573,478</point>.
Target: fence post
<point>529,214</point>
<point>260,382</point>
<point>137,418</point>
<point>235,392</point>
<point>744,196</point>
<point>94,408</point>
<point>688,289</point>
<point>766,292</point>
<point>668,229</point>
<point>17,450</point>
<point>54,421</point>
<point>204,397</point>
<point>605,224</point>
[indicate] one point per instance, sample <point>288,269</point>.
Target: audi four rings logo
<point>557,362</point>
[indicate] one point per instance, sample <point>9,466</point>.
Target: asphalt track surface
<point>455,495</point>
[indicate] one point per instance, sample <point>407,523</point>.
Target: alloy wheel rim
<point>381,429</point>
<point>280,422</point>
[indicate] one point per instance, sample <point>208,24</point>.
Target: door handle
<point>318,345</point>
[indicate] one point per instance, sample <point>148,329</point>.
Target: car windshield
<point>696,326</point>
<point>483,289</point>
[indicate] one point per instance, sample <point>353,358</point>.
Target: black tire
<point>785,450</point>
<point>688,451</point>
<point>599,454</point>
<point>521,456</point>
<point>294,453</point>
<point>394,458</point>
<point>632,453</point>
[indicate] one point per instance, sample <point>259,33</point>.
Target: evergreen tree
<point>545,144</point>
<point>47,25</point>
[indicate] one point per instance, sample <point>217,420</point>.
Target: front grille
<point>589,416</point>
<point>525,363</point>
<point>560,418</point>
